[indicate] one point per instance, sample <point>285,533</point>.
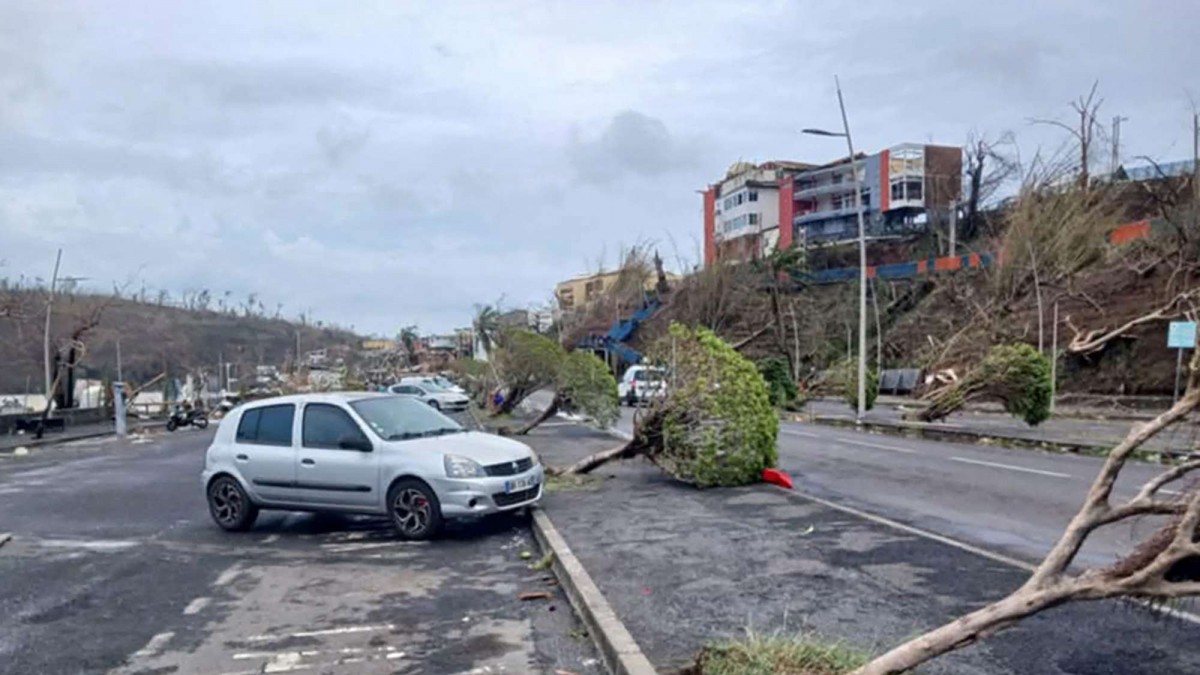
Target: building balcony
<point>823,189</point>
<point>826,214</point>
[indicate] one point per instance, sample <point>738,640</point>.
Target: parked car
<point>367,453</point>
<point>641,384</point>
<point>435,380</point>
<point>431,394</point>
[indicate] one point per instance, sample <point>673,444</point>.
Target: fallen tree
<point>1093,341</point>
<point>715,424</point>
<point>583,384</point>
<point>1164,566</point>
<point>525,362</point>
<point>1018,375</point>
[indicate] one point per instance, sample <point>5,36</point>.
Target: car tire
<point>201,422</point>
<point>435,405</point>
<point>172,425</point>
<point>415,510</point>
<point>230,506</point>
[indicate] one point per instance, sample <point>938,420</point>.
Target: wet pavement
<point>115,566</point>
<point>682,566</point>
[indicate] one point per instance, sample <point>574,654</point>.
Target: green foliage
<point>780,386</point>
<point>1018,375</point>
<point>845,379</point>
<point>775,655</point>
<point>716,425</point>
<point>528,361</point>
<point>476,377</point>
<point>586,385</point>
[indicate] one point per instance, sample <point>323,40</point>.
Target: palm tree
<point>487,326</point>
<point>409,337</point>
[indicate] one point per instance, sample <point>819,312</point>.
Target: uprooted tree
<point>525,362</point>
<point>584,385</point>
<point>714,426</point>
<point>1165,565</point>
<point>1017,375</point>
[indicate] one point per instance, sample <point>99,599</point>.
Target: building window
<point>753,195</point>
<point>753,219</point>
<point>914,189</point>
<point>592,290</point>
<point>897,191</point>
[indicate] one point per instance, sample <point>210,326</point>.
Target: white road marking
<point>228,575</point>
<point>156,643</point>
<point>793,432</point>
<point>195,606</point>
<point>866,444</point>
<point>98,545</point>
<point>1010,467</point>
<point>328,631</point>
<point>271,539</point>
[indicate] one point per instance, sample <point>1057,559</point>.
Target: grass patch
<point>572,482</point>
<point>777,655</point>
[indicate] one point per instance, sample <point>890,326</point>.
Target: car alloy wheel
<point>415,510</point>
<point>229,505</point>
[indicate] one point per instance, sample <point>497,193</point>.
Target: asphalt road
<point>115,567</point>
<point>1012,501</point>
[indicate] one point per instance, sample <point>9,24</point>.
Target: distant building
<point>580,291</point>
<point>758,207</point>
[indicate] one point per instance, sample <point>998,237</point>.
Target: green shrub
<point>845,380</point>
<point>780,386</point>
<point>716,425</point>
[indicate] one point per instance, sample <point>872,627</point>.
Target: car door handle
<point>242,458</point>
<point>307,461</point>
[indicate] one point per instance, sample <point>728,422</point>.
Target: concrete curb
<point>78,437</point>
<point>913,430</point>
<point>621,653</point>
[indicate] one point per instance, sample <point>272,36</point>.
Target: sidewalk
<point>10,442</point>
<point>1063,433</point>
<point>682,567</point>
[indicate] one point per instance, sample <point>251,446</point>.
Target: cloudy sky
<point>391,163</point>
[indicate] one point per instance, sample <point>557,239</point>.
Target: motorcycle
<point>183,418</point>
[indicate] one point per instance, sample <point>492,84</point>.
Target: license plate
<point>518,484</point>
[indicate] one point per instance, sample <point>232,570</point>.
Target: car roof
<point>315,397</point>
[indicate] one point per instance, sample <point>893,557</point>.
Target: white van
<point>640,384</point>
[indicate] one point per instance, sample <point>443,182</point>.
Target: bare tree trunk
<point>549,412</point>
<point>594,460</point>
<point>514,397</point>
<point>753,336</point>
<point>966,630</point>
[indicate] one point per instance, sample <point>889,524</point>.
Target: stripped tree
<point>585,385</point>
<point>525,362</point>
<point>1164,566</point>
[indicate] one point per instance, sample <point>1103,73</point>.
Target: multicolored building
<point>778,203</point>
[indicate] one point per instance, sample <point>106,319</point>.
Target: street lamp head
<point>822,132</point>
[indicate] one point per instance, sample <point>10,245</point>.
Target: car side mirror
<point>355,442</point>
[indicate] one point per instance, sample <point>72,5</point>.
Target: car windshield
<point>396,418</point>
<point>443,382</point>
<point>432,388</point>
<point>648,375</point>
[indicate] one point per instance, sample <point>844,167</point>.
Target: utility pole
<point>221,372</point>
<point>1196,154</point>
<point>120,378</point>
<point>1054,359</point>
<point>1116,142</point>
<point>46,334</point>
<point>953,226</point>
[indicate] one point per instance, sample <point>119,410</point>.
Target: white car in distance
<point>435,380</point>
<point>431,394</point>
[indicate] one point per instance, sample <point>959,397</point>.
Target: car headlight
<point>458,466</point>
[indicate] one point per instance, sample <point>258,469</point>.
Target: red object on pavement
<point>777,477</point>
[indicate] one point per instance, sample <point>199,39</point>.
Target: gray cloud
<point>631,143</point>
<point>406,161</point>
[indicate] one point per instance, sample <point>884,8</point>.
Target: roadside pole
<point>1054,359</point>
<point>119,408</point>
<point>1181,335</point>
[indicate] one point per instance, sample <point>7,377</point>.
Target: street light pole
<point>46,333</point>
<point>862,252</point>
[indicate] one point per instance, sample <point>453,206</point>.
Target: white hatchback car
<point>432,395</point>
<point>363,453</point>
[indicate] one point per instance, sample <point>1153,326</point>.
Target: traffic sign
<point>1181,335</point>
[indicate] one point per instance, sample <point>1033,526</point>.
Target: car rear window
<point>268,425</point>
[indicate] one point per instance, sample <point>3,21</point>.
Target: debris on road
<point>535,595</point>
